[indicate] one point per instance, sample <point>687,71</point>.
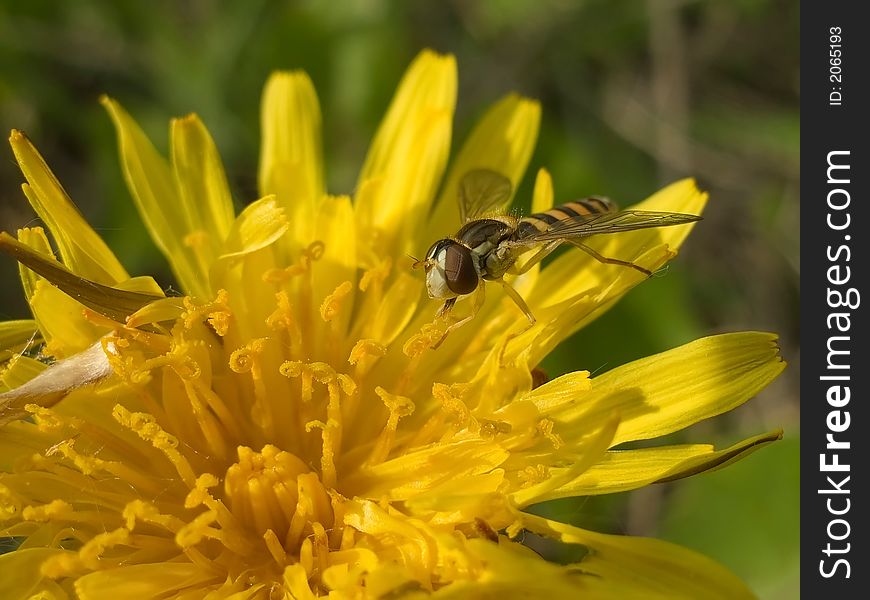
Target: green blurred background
<point>635,94</point>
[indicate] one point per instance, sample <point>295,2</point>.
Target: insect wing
<point>627,220</point>
<point>483,191</point>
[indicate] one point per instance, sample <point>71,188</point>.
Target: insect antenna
<point>417,262</point>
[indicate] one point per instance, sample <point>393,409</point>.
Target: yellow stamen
<point>330,309</point>
<point>231,532</point>
<point>428,336</point>
<point>545,428</point>
<point>376,275</point>
<point>532,475</point>
<point>327,456</point>
<point>452,415</point>
<point>49,421</point>
<point>294,369</point>
<point>217,312</point>
<point>146,428</point>
<point>364,355</point>
<point>89,557</point>
<point>247,360</point>
<point>197,530</point>
<point>145,512</point>
<point>334,302</point>
<point>56,509</point>
<point>399,406</point>
<point>283,319</point>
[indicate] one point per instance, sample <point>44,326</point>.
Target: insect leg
<point>518,300</point>
<point>606,260</point>
<point>445,308</point>
<point>537,257</point>
<point>476,304</point>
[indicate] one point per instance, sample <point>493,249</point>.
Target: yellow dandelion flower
<point>285,430</point>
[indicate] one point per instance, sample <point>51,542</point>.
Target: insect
<point>490,242</point>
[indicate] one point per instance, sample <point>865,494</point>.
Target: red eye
<point>459,269</point>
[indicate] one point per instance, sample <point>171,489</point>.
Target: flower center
<point>251,403</point>
<point>289,427</point>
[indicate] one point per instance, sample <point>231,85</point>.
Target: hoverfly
<point>490,242</point>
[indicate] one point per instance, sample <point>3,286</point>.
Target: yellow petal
<point>142,581</point>
<point>633,567</point>
<point>296,584</point>
<point>291,154</point>
<point>18,371</point>
<point>160,205</point>
<point>202,184</point>
<point>17,335</point>
<point>416,472</point>
<point>502,141</point>
<point>291,157</point>
<point>143,284</point>
<point>21,571</point>
<point>722,458</point>
<point>35,239</point>
<point>58,316</point>
<point>165,309</point>
<point>335,227</point>
<point>510,570</point>
<point>258,226</point>
<point>468,497</point>
<point>561,392</point>
<point>542,197</point>
<point>252,592</point>
<point>408,154</point>
<point>564,319</point>
<point>396,309</point>
<point>246,256</point>
<point>667,392</point>
<point>62,322</point>
<point>591,450</point>
<point>623,470</point>
<point>81,249</point>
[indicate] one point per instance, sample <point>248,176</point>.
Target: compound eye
<point>459,269</point>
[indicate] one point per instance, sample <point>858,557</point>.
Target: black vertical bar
<point>835,192</point>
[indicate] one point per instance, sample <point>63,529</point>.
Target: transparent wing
<point>626,220</point>
<point>482,191</point>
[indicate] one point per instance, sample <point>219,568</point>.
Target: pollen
<point>334,302</point>
<point>545,428</point>
<point>56,509</point>
<point>244,359</point>
<point>366,349</point>
<point>533,474</point>
<point>424,340</point>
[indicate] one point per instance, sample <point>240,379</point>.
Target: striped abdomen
<point>542,221</point>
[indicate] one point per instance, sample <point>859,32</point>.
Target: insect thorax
<point>482,235</point>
